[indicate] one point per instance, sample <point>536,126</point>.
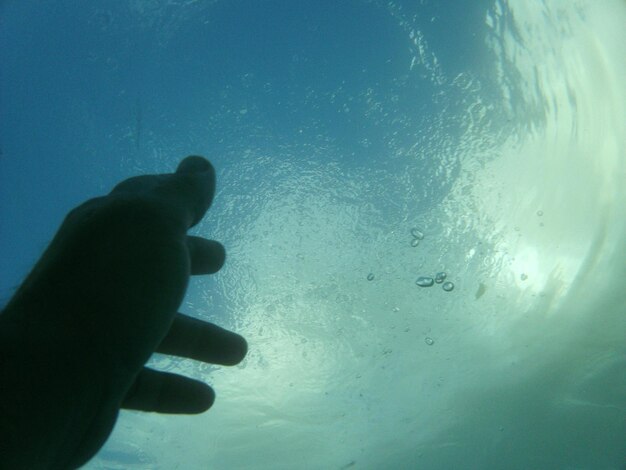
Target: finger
<point>189,191</point>
<point>191,188</point>
<point>163,392</point>
<point>207,256</point>
<point>203,341</point>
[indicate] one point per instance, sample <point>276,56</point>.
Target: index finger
<point>189,191</point>
<point>191,188</point>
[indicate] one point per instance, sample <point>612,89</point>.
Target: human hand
<point>101,300</point>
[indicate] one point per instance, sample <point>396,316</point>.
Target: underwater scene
<point>423,204</point>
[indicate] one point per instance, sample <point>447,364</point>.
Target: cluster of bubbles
<point>425,281</point>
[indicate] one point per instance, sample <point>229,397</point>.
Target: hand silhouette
<point>104,296</point>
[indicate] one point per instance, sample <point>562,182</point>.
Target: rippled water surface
<point>423,204</point>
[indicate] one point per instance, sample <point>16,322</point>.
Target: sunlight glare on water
<point>385,375</point>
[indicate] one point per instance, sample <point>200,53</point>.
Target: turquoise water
<point>339,130</point>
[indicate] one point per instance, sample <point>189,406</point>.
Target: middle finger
<point>196,339</point>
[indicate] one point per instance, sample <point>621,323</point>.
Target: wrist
<point>59,398</point>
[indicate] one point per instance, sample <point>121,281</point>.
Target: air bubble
<point>539,213</point>
<point>424,281</point>
<point>417,234</point>
<point>370,277</point>
<point>429,341</point>
<point>440,277</point>
<point>448,286</point>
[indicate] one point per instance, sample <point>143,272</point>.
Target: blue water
<point>336,127</point>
